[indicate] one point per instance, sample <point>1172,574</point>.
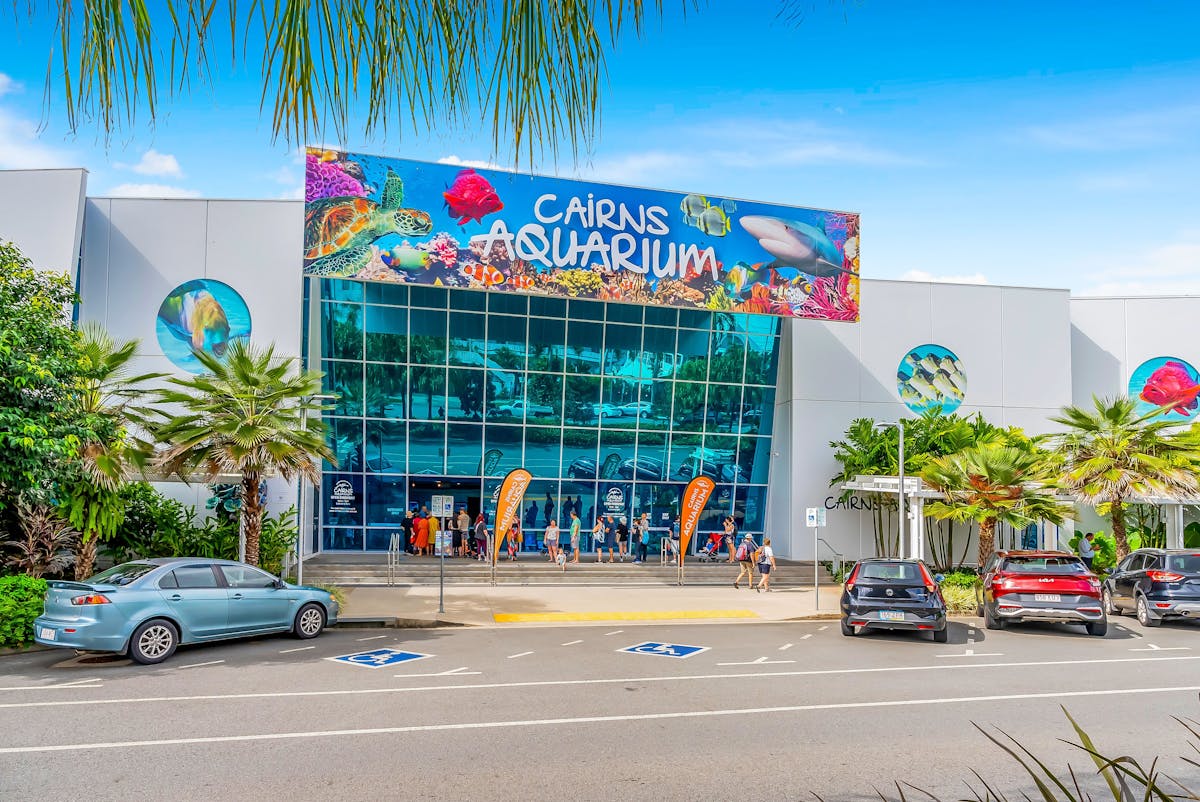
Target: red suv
<point>1040,586</point>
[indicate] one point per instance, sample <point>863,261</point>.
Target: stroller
<point>711,553</point>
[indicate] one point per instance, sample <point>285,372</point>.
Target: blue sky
<point>1032,143</point>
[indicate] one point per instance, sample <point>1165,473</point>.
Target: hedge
<point>21,600</point>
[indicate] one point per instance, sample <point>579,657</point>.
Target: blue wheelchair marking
<point>378,658</point>
<point>664,649</point>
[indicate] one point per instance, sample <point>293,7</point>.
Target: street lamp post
<point>899,427</point>
<point>300,520</point>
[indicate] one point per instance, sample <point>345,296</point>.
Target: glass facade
<point>611,407</point>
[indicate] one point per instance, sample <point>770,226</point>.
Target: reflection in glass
<point>583,347</point>
<point>386,390</point>
<point>761,358</point>
<point>341,290</point>
<point>341,539</point>
<point>464,394</point>
<point>504,398</point>
<point>691,410</point>
<point>581,400</point>
<point>617,454</point>
<point>693,355</point>
<point>380,292</point>
<point>427,393</point>
<point>543,450</point>
<point>758,412</point>
<point>427,345</point>
<point>380,539</point>
<point>385,500</point>
<point>387,334</point>
<point>506,343</point>
<point>547,340</point>
<point>341,331</point>
<point>623,351</point>
<point>431,297</point>
<point>659,358</point>
<point>652,452</point>
<point>503,448</point>
<point>508,303</point>
<point>543,395</point>
<point>466,339</point>
<point>579,453</point>
<point>464,449</point>
<point>385,447</point>
<point>344,436</point>
<point>727,357</point>
<point>579,497</point>
<point>750,508</point>
<point>345,380</point>
<point>427,449</point>
<point>662,316</point>
<point>754,457</point>
<point>724,408</point>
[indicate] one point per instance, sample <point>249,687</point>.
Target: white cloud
<point>639,168</point>
<point>476,163</point>
<point>922,275</point>
<point>1117,132</point>
<point>150,191</point>
<point>1171,269</point>
<point>22,148</point>
<point>7,85</point>
<point>153,163</point>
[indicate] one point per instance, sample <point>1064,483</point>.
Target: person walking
<point>766,563</point>
<point>460,538</point>
<point>1087,549</point>
<point>551,538</point>
<point>575,527</point>
<point>730,537</point>
<point>622,539</point>
<point>481,538</point>
<point>745,557</point>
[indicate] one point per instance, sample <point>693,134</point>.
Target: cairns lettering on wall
<point>851,503</point>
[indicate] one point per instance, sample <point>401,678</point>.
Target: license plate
<point>46,633</point>
<point>891,615</point>
<point>1047,597</point>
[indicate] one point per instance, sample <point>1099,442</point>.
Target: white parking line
<point>604,681</point>
<point>297,649</point>
<point>785,647</point>
<point>546,722</point>
<point>572,643</point>
<point>373,637</point>
<point>454,672</point>
<point>79,684</point>
<point>971,653</point>
<point>518,654</point>
<point>197,665</point>
<point>822,629</point>
<point>1150,647</point>
<point>762,661</point>
<point>614,632</point>
<point>806,637</point>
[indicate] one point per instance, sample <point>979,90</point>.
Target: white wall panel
<point>895,318</point>
<point>1036,355</point>
<point>1098,348</point>
<point>967,320</point>
<point>41,212</point>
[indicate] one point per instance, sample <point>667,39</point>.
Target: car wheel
<point>942,635</point>
<point>847,630</point>
<point>310,620</point>
<point>991,621</point>
<point>1109,607</point>
<point>153,642</point>
<point>1143,613</point>
<point>1098,628</point>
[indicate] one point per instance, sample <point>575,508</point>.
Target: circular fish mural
<point>1166,381</point>
<point>200,315</point>
<point>930,376</point>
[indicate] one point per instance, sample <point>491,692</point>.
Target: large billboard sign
<point>378,219</point>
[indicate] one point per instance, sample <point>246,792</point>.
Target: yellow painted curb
<point>642,615</point>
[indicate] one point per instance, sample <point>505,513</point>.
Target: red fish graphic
<point>483,274</point>
<point>471,197</point>
<point>1172,385</point>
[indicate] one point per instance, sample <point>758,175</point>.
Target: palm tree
<point>1111,454</point>
<point>531,71</point>
<point>251,414</point>
<point>110,401</point>
<point>990,484</point>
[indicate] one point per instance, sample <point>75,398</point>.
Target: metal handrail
<point>393,558</point>
<point>841,558</point>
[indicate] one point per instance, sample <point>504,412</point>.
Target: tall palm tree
<point>991,484</point>
<point>250,414</point>
<point>110,400</point>
<point>1111,454</point>
<point>531,71</point>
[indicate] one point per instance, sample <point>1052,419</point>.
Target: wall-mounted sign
<point>1168,383</point>
<point>200,315</point>
<point>614,501</point>
<point>377,219</point>
<point>931,376</point>
<point>343,498</point>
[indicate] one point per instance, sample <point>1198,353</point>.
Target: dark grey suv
<point>1155,584</point>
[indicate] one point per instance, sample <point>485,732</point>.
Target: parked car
<point>726,473</point>
<point>893,594</point>
<point>519,409</point>
<point>1040,586</point>
<point>582,468</point>
<point>643,468</point>
<point>147,608</point>
<point>1155,584</point>
<point>636,408</point>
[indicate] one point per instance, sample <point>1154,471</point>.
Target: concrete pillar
<point>916,529</point>
<point>1174,516</point>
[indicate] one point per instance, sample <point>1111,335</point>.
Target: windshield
<point>1184,563</point>
<point>897,571</point>
<point>122,574</point>
<point>1044,565</point>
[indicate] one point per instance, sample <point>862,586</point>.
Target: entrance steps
<point>533,569</point>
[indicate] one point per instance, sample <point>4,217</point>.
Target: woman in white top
<point>766,562</point>
<point>552,540</point>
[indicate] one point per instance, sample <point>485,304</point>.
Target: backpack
<point>744,551</point>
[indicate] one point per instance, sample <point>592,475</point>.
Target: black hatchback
<point>1155,584</point>
<point>885,593</point>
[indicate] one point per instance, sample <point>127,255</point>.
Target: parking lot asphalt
<point>769,711</point>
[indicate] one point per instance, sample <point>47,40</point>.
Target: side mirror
<point>280,584</point>
<point>939,578</point>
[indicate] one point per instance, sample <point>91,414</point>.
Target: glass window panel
<point>724,408</point>
<point>466,339</point>
<point>427,345</point>
<point>624,313</point>
<point>623,351</point>
<point>617,451</point>
<point>719,506</point>
<point>543,398</point>
<point>382,292</point>
<point>580,497</point>
<point>659,359</point>
<point>427,393</point>
<point>386,390</point>
<point>504,397</point>
<point>387,334</point>
<point>692,356</point>
<point>656,404</point>
<point>427,449</point>
<point>727,358</point>
<point>660,501</point>
<point>464,449</point>
<point>345,380</point>
<point>686,455</point>
<point>581,400</point>
<point>386,448</point>
<point>761,357</point>
<point>758,410</point>
<point>754,459</point>
<point>342,539</point>
<point>584,341</point>
<point>621,406</point>
<point>464,394</point>
<point>503,444</point>
<point>720,458</point>
<point>385,500</point>
<point>541,505</point>
<point>547,344</point>
<point>548,307</point>
<point>543,450</point>
<point>380,539</point>
<point>652,452</point>
<point>691,410</point>
<point>344,436</point>
<point>341,331</point>
<point>694,319</point>
<point>509,303</point>
<point>750,509</point>
<point>762,324</point>
<point>579,453</point>
<point>468,300</point>
<point>662,316</point>
<point>338,290</point>
<point>585,310</point>
<point>341,499</point>
<point>506,343</point>
<point>430,297</point>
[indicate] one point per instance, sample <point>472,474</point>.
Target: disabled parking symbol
<point>378,658</point>
<point>664,649</point>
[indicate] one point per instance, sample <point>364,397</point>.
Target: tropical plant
<point>21,601</point>
<point>153,525</point>
<point>45,544</point>
<point>1105,548</point>
<point>109,399</point>
<point>250,414</point>
<point>1111,454</point>
<point>993,483</point>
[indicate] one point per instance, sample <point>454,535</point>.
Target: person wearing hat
<point>745,559</point>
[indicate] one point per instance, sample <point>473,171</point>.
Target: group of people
<point>466,539</point>
<point>748,554</point>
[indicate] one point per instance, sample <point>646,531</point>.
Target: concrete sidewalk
<point>528,606</point>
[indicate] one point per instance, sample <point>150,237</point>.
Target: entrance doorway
<point>465,492</point>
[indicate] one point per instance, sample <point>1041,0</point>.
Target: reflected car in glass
<point>1155,585</point>
<point>643,468</point>
<point>582,468</point>
<point>147,608</point>
<point>606,411</point>
<point>637,408</point>
<point>893,594</point>
<point>1050,586</point>
<point>519,409</point>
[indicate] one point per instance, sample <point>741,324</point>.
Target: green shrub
<point>21,600</point>
<point>959,600</point>
<point>337,592</point>
<point>960,579</point>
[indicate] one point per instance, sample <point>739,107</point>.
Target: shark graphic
<point>795,244</point>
